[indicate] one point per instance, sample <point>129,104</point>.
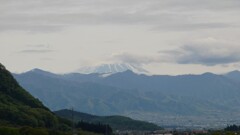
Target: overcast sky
<point>162,36</point>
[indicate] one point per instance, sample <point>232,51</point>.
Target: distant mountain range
<point>116,122</point>
<point>22,114</point>
<point>163,99</point>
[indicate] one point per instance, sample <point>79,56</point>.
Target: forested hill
<point>18,107</point>
<point>116,122</point>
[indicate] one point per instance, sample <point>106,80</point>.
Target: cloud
<point>193,26</point>
<point>37,48</point>
<point>207,52</point>
<point>135,59</point>
<point>47,59</point>
<point>55,15</point>
<point>36,51</point>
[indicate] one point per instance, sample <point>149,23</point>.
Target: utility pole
<point>72,121</point>
<point>106,130</point>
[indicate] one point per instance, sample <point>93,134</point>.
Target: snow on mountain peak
<point>111,68</point>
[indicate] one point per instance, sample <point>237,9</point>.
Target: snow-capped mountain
<point>112,68</point>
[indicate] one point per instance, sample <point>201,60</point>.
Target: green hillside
<point>22,114</point>
<point>116,122</point>
<point>18,107</point>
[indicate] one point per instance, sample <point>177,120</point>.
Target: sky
<point>162,36</point>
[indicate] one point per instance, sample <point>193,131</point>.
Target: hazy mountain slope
<point>88,97</point>
<point>215,88</point>
<point>116,122</point>
<point>234,75</point>
<point>206,86</point>
<point>128,91</point>
<point>138,96</point>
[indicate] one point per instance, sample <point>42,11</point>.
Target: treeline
<point>96,128</point>
<point>232,128</point>
<point>29,131</point>
<point>116,122</point>
<point>80,128</point>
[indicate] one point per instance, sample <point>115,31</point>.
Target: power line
<point>72,121</point>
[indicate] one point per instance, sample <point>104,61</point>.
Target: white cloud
<point>36,49</point>
<point>208,52</point>
<point>55,15</point>
<point>135,59</point>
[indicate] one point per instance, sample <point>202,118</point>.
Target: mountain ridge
<point>234,75</point>
<point>137,95</point>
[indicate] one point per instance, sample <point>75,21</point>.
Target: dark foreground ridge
<point>22,114</point>
<point>18,107</point>
<point>116,122</point>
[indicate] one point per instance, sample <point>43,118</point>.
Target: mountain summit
<point>111,68</point>
<point>234,75</point>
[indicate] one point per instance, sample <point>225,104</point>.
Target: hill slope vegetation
<point>18,107</point>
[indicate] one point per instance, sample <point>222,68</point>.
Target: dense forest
<point>232,128</point>
<point>116,122</point>
<point>97,128</point>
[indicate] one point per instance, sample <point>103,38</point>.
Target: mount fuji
<point>112,68</point>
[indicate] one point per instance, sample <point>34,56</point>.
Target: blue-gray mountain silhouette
<point>130,94</point>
